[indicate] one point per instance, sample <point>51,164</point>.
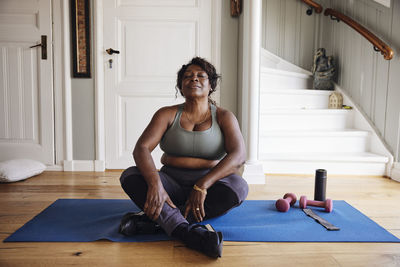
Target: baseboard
<point>84,165</point>
<point>395,175</point>
<point>54,168</point>
<point>99,165</point>
<point>253,173</point>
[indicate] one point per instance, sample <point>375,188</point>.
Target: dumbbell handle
<point>283,204</point>
<point>316,203</point>
<point>327,204</point>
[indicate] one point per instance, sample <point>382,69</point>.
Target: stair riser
<point>327,144</point>
<point>273,122</point>
<point>309,167</point>
<point>276,101</point>
<point>276,81</point>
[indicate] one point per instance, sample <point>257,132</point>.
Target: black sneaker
<point>137,223</point>
<point>205,239</point>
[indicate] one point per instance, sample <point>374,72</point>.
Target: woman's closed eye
<point>199,76</point>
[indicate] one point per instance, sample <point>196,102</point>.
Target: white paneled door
<point>26,92</point>
<point>154,39</point>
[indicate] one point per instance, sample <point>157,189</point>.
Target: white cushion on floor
<point>19,169</point>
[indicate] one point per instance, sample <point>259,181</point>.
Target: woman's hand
<point>195,204</point>
<point>155,199</point>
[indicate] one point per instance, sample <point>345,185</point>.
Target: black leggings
<point>225,194</point>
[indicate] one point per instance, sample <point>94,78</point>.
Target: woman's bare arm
<point>150,138</point>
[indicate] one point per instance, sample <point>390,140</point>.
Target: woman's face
<point>195,82</point>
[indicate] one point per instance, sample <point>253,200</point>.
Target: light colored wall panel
<point>306,32</point>
<point>288,31</point>
<point>290,38</point>
<point>368,62</point>
<point>383,28</point>
<point>229,59</point>
<point>392,131</point>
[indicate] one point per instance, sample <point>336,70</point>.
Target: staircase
<point>299,134</point>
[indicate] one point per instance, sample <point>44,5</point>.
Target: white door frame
<point>61,84</point>
<point>99,63</point>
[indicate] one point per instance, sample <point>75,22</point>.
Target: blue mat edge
<point>6,240</point>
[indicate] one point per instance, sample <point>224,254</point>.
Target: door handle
<point>43,45</point>
<point>111,51</point>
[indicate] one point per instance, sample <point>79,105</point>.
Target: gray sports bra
<point>208,144</point>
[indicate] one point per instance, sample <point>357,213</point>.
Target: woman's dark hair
<point>213,76</point>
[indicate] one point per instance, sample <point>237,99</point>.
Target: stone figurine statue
<point>323,70</point>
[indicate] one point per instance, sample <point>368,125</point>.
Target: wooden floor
<point>378,198</point>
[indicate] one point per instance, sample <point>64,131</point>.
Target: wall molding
<point>84,165</point>
<point>58,77</point>
<point>61,84</point>
<point>58,168</point>
<point>395,175</point>
<point>253,173</point>
<point>68,144</point>
<point>100,145</point>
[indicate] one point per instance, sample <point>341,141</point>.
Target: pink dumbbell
<point>327,204</point>
<point>283,204</point>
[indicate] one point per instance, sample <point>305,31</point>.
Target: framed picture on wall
<point>80,30</point>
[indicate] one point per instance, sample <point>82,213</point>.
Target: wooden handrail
<point>317,7</point>
<point>378,44</point>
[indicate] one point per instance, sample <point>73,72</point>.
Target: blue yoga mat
<point>84,220</point>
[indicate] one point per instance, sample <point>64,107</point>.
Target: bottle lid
<point>320,173</point>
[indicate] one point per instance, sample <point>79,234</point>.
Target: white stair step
<point>273,78</point>
<point>270,60</point>
<point>294,98</point>
<point>313,141</point>
<point>366,157</point>
<point>305,119</point>
<point>363,163</point>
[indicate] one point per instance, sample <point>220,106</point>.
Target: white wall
<point>371,81</point>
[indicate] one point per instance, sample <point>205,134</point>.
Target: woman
<point>203,150</point>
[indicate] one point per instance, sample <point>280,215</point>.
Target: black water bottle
<point>320,185</point>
